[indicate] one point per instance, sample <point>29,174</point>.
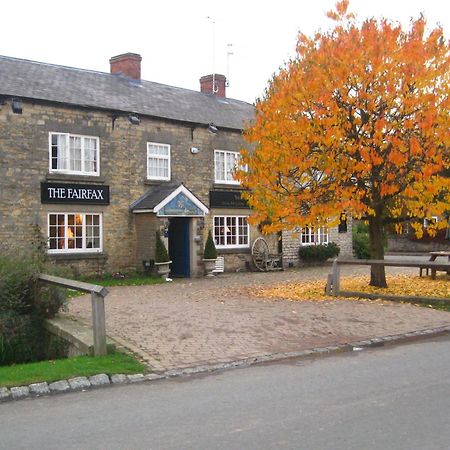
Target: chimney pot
<point>219,88</point>
<point>127,64</point>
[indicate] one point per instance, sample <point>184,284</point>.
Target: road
<point>390,398</point>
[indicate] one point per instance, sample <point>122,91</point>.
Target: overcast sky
<point>174,37</point>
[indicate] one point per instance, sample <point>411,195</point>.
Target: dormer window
<point>74,154</point>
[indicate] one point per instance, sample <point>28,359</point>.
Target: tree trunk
<point>377,273</point>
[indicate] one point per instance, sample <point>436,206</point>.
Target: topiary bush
<point>161,254</point>
<point>318,253</point>
<point>210,248</point>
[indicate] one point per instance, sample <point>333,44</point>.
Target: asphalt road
<point>390,398</point>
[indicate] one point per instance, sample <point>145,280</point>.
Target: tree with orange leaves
<point>358,122</point>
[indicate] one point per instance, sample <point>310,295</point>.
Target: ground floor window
<point>313,236</point>
<point>231,231</point>
<point>74,232</point>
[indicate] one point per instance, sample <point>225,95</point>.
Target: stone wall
<point>24,150</point>
<point>292,243</point>
<point>403,244</point>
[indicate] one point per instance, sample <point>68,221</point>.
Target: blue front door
<point>179,247</point>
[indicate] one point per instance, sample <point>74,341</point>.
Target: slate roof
<point>68,85</point>
<point>154,196</point>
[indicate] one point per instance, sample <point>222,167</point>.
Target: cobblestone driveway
<point>203,321</point>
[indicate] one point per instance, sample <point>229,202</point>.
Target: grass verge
<point>133,279</point>
<point>60,369</point>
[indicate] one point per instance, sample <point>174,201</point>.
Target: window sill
<point>228,186</point>
<point>74,177</point>
<point>76,256</point>
<point>230,251</point>
<point>148,182</point>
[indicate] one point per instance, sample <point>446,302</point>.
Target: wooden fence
<point>333,282</point>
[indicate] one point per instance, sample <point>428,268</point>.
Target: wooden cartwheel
<point>263,259</point>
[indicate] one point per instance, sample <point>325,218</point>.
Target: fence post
<point>98,323</point>
<point>335,275</point>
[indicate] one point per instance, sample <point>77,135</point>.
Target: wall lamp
<point>212,128</point>
<point>134,119</point>
<point>16,106</point>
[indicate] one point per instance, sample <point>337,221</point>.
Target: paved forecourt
<point>192,322</point>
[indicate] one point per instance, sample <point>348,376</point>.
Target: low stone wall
<point>405,245</point>
<point>79,337</point>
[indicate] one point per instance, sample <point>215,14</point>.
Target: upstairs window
<point>225,164</point>
<point>158,161</point>
<point>74,154</point>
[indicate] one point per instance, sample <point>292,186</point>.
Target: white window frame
<point>427,221</point>
<point>82,137</point>
<point>228,234</point>
<point>161,157</point>
<point>222,179</point>
<point>313,236</point>
<point>84,249</point>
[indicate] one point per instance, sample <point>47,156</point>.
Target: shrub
<point>161,254</point>
<point>210,248</point>
<point>361,240</point>
<point>24,302</point>
<point>21,337</point>
<point>361,245</point>
<point>318,253</point>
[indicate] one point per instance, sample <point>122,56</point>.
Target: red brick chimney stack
<point>127,64</point>
<point>206,85</point>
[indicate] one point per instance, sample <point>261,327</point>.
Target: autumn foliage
<point>358,122</point>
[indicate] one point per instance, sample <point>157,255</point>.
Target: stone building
<point>102,161</point>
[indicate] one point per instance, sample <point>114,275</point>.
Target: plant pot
<point>163,268</point>
<point>210,265</point>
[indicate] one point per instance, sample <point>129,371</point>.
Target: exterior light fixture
<point>134,119</point>
<point>16,106</point>
<point>212,128</point>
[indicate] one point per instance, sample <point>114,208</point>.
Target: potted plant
<point>162,259</point>
<point>210,255</point>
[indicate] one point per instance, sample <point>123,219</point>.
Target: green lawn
<point>60,369</point>
<point>133,279</point>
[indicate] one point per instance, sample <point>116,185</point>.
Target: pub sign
<point>92,194</point>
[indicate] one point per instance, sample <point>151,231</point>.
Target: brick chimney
<point>127,64</point>
<point>206,85</point>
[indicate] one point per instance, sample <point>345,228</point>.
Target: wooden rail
<point>333,281</point>
<point>98,294</point>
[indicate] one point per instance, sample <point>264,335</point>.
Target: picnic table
<point>433,257</point>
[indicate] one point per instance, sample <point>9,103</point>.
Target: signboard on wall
<point>92,194</point>
<point>226,199</point>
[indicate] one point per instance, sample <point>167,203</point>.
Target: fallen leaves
<point>401,285</point>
